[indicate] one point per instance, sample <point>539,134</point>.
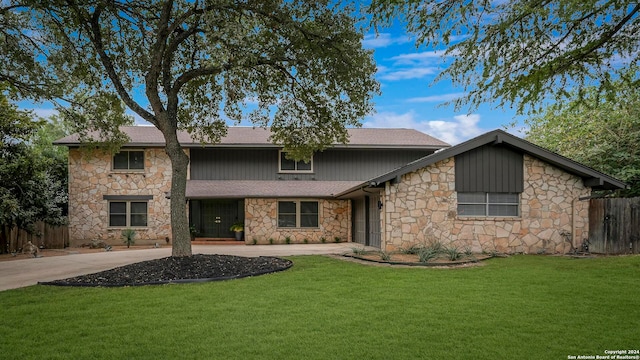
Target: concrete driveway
<point>21,273</point>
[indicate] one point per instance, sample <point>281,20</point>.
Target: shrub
<point>385,256</point>
<point>128,236</point>
<point>336,239</point>
<point>426,254</point>
<point>453,253</point>
<point>413,249</point>
<point>436,246</point>
<point>323,240</point>
<point>468,252</point>
<point>287,240</point>
<point>359,250</point>
<point>271,241</point>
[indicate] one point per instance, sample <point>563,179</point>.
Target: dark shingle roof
<point>205,189</point>
<point>592,178</point>
<point>149,136</point>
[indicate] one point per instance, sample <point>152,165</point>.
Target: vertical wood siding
<point>490,168</point>
<point>262,164</point>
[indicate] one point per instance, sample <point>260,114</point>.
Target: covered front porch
<point>212,219</point>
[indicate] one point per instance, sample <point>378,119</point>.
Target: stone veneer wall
<point>261,223</point>
<point>422,208</point>
<point>91,177</point>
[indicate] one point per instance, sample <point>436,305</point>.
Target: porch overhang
<point>220,189</point>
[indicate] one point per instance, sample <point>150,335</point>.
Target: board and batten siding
<point>490,168</point>
<point>329,165</point>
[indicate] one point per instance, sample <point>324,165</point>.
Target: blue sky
<point>409,97</point>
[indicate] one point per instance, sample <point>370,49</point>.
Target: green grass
<point>522,307</point>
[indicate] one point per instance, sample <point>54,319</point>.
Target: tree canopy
<point>33,175</point>
<point>602,134</point>
<point>523,53</point>
<point>297,66</point>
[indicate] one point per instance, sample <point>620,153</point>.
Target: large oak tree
<point>296,66</point>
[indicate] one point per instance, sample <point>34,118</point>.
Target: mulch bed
<point>196,268</point>
<point>413,260</point>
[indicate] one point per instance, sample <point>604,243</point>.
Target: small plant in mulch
<point>434,253</point>
<point>128,236</point>
<point>337,239</point>
<point>425,255</point>
<point>453,253</point>
<point>359,250</point>
<point>287,240</point>
<point>414,249</point>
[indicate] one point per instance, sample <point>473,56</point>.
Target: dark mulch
<point>196,268</point>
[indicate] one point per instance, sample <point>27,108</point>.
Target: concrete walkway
<point>21,273</point>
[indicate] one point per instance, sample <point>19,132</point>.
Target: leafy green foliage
<point>33,176</point>
<point>521,53</point>
<point>22,75</point>
<point>600,133</point>
<point>426,254</point>
<point>128,237</point>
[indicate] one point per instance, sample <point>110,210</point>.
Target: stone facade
<point>91,177</point>
<point>261,223</point>
<point>422,208</point>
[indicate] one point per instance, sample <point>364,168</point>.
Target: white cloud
<point>411,73</point>
<point>42,112</point>
<point>421,57</point>
<point>383,40</point>
<point>452,130</point>
<point>436,98</point>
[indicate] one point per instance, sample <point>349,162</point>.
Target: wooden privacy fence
<point>45,236</point>
<point>614,225</point>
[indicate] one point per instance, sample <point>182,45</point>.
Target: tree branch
<point>155,66</point>
<point>95,37</point>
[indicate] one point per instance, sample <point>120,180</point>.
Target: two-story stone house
<point>245,178</point>
<point>389,188</point>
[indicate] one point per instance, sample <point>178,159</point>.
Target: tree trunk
<point>179,222</point>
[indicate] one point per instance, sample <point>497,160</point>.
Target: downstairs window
<point>488,204</point>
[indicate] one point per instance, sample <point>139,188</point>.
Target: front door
<point>366,221</point>
<point>217,216</point>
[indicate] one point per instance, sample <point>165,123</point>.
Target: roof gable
<point>591,177</point>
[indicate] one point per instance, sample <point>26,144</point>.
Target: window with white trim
<point>298,214</point>
<point>128,213</point>
<point>292,166</point>
<point>129,160</point>
<point>488,204</point>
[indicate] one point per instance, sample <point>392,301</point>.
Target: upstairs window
<point>488,204</point>
<point>287,165</point>
<point>129,160</point>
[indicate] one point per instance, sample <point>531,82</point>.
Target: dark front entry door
<point>366,221</point>
<point>217,216</point>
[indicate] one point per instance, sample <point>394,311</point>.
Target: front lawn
<point>522,307</point>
